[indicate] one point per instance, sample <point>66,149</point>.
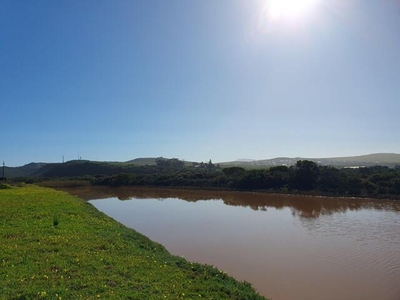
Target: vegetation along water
<point>303,177</point>
<point>56,246</point>
<point>289,247</point>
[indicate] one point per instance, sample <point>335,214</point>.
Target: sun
<point>289,9</point>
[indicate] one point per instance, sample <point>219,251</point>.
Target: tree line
<point>305,176</point>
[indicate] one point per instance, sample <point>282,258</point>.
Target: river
<point>288,247</point>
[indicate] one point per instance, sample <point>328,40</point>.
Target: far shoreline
<point>68,183</point>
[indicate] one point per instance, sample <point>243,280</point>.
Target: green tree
<point>233,171</point>
<point>305,176</point>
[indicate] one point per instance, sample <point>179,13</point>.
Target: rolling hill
<point>151,161</point>
<point>23,171</point>
<point>86,167</point>
<point>376,159</point>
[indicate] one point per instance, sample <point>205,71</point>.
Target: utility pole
<point>63,158</point>
<point>4,167</point>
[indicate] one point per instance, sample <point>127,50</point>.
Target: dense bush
<point>305,176</point>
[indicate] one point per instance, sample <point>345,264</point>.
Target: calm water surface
<point>288,247</point>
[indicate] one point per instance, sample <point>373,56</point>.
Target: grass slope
<point>56,246</point>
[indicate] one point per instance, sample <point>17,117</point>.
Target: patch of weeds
<point>56,220</point>
<point>4,186</point>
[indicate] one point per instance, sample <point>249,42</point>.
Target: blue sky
<point>116,80</point>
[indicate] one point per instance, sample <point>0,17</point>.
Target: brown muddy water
<point>288,247</point>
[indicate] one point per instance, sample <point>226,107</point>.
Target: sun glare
<point>290,9</point>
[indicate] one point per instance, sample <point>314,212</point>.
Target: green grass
<point>61,182</point>
<point>4,186</point>
<point>55,246</point>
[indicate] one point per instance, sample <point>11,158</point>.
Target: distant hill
<point>376,158</point>
<point>24,171</point>
<point>381,159</point>
<point>86,167</point>
<point>81,168</point>
<point>151,161</point>
<point>70,168</point>
<point>245,160</point>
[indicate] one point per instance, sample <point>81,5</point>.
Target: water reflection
<point>304,207</point>
<point>288,247</point>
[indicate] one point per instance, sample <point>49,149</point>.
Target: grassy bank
<point>55,246</point>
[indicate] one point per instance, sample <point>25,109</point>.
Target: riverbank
<point>76,183</point>
<point>305,178</point>
<point>57,246</point>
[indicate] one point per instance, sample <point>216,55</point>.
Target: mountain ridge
<point>75,167</point>
<point>368,160</point>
